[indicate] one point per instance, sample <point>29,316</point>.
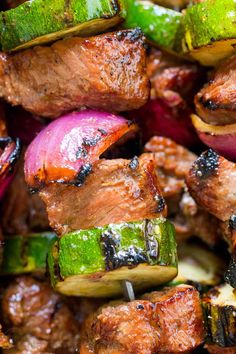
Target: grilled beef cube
<point>105,72</point>
<point>38,319</point>
<point>22,212</point>
<point>173,162</point>
<point>115,191</point>
<point>211,182</point>
<point>216,102</point>
<point>168,321</point>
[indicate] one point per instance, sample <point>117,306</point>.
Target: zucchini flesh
<point>210,31</point>
<point>37,22</point>
<point>219,305</point>
<point>94,262</point>
<point>198,266</point>
<point>159,24</point>
<point>26,254</point>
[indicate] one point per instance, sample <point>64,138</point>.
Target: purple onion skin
<point>10,153</point>
<point>224,145</point>
<point>69,144</point>
<point>158,118</point>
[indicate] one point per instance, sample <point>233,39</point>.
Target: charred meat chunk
<point>211,182</point>
<point>106,72</point>
<point>113,192</point>
<point>216,102</point>
<point>38,318</point>
<point>168,321</point>
<point>173,162</point>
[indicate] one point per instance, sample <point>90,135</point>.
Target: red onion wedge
<point>10,152</point>
<point>221,138</point>
<point>159,118</point>
<point>66,149</point>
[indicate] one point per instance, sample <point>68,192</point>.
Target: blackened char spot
<point>134,163</point>
<point>83,173</point>
<point>132,35</point>
<point>160,203</point>
<point>115,258</point>
<point>140,307</point>
<point>209,104</point>
<point>81,153</point>
<point>232,222</point>
<point>230,275</point>
<point>102,131</point>
<point>151,242</point>
<point>91,141</point>
<point>207,164</point>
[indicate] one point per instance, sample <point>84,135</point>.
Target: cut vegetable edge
<point>53,20</point>
<point>219,306</point>
<point>198,266</point>
<point>94,262</point>
<point>87,29</point>
<point>26,254</point>
<point>207,39</point>
<point>213,54</point>
<point>109,284</point>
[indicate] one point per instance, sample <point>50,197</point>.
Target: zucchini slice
<point>210,31</point>
<point>159,24</point>
<point>26,254</point>
<point>94,262</point>
<point>37,22</point>
<point>199,267</point>
<point>219,305</point>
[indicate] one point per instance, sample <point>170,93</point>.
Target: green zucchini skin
<point>159,24</point>
<point>210,31</point>
<point>113,253</point>
<point>41,21</point>
<point>219,306</point>
<point>26,254</point>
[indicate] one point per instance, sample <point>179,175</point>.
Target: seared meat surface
<point>216,102</point>
<point>168,321</point>
<point>173,162</point>
<point>115,191</point>
<point>211,182</point>
<point>38,319</point>
<point>22,212</point>
<point>171,79</point>
<point>106,72</point>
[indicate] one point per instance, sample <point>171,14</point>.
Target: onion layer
<point>220,138</point>
<point>159,118</point>
<point>10,152</point>
<point>66,149</point>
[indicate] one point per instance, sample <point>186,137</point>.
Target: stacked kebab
<point>109,211</point>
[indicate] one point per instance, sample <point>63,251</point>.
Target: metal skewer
<point>128,290</point>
